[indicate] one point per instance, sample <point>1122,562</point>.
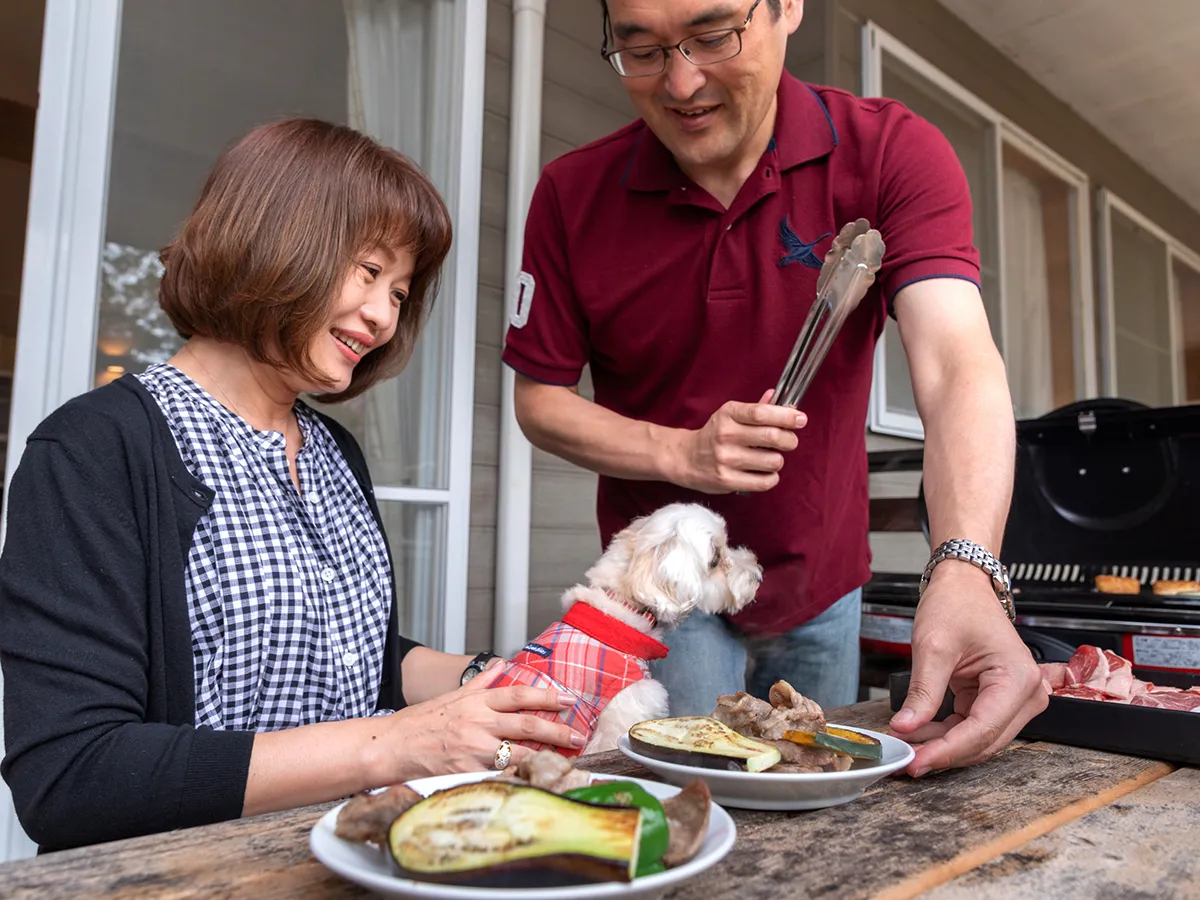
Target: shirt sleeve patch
<point>525,288</point>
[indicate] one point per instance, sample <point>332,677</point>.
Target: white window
<point>137,100</point>
<point>1150,309</point>
<point>1031,227</point>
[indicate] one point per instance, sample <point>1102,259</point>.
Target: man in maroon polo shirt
<point>679,257</point>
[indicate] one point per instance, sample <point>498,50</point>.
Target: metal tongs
<point>848,271</point>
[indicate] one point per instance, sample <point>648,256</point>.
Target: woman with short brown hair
<point>197,611</point>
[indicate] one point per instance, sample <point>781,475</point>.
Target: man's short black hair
<point>772,5</point>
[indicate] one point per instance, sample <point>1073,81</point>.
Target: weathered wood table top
<point>1040,820</point>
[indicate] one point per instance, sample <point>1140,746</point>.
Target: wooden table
<point>1040,820</point>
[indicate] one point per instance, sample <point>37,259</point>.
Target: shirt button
<point>729,227</point>
<point>312,498</point>
<point>350,658</point>
<point>328,574</point>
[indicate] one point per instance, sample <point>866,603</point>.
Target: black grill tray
<point>1166,734</point>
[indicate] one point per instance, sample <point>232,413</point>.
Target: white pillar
<point>516,454</point>
<point>56,329</point>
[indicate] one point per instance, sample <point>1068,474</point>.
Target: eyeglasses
<point>702,49</point>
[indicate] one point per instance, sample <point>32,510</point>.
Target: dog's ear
<point>667,567</point>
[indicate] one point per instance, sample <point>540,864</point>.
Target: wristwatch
<point>969,551</point>
<point>477,665</point>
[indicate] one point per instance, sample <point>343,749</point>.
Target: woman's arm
<point>90,755</point>
<point>430,673</point>
<point>459,732</point>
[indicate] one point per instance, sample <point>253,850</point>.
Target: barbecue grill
<point>1101,487</point>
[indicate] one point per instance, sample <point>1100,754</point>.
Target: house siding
<point>583,101</point>
<point>944,40</point>
<point>941,38</point>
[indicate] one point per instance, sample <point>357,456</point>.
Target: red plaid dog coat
<point>588,654</point>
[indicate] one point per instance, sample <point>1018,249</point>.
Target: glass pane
<point>417,536</point>
<point>973,141</point>
<point>900,398</point>
<point>402,56</point>
<point>1187,290</point>
<point>192,78</point>
<point>1141,314</point>
<point>1039,286</point>
<point>133,331</point>
<point>195,76</point>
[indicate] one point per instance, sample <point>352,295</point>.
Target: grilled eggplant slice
<point>842,741</point>
<point>701,741</point>
<point>497,834</point>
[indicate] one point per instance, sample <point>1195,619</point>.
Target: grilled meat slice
<point>547,770</point>
<point>803,714</point>
<point>367,817</point>
<point>789,710</point>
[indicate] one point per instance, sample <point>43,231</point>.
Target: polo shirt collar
<point>804,131</point>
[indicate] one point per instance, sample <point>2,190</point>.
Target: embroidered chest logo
<point>796,250</point>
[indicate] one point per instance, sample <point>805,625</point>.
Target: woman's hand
<point>461,731</point>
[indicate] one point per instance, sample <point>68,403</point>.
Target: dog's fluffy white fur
<point>671,563</point>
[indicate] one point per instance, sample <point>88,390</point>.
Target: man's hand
<point>740,448</point>
<point>962,638</point>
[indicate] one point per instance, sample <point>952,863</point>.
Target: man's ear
<point>791,12</point>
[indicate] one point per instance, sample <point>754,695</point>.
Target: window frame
<point>1174,251</point>
<point>66,231</point>
<point>875,42</point>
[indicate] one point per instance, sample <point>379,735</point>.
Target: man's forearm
<point>969,452</point>
<point>559,421</point>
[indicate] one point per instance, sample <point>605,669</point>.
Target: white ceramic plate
<point>366,864</point>
<point>779,791</point>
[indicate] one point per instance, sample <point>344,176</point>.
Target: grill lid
<point>1109,484</point>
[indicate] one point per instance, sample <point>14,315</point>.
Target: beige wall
<point>930,30</point>
<point>582,100</point>
<point>943,40</point>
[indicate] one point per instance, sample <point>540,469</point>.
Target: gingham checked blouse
<point>288,592</point>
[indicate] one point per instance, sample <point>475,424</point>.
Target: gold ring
<point>503,755</point>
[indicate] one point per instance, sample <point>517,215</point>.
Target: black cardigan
<point>95,639</point>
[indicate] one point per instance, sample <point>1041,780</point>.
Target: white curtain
<point>401,79</point>
<point>1027,297</point>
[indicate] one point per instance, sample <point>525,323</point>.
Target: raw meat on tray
<point>1095,674</point>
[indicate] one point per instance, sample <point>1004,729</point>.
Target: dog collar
<point>613,632</point>
<point>643,613</point>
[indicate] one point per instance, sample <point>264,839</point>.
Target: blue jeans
<point>710,657</point>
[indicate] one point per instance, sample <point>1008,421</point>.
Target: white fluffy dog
<point>656,572</point>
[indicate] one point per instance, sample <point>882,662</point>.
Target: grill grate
<point>1065,573</point>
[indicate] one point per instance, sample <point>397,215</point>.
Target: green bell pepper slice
<point>655,831</point>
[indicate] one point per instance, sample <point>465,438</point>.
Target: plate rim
<point>736,775</point>
<point>390,883</point>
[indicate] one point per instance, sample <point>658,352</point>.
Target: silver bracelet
<point>976,555</point>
